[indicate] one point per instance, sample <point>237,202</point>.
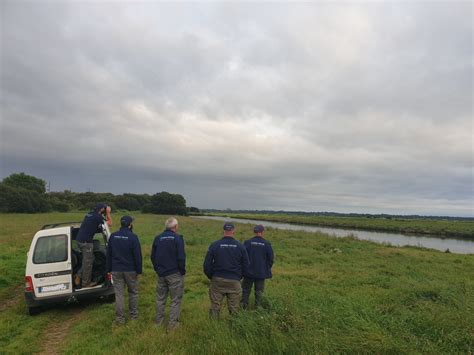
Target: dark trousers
<point>247,287</point>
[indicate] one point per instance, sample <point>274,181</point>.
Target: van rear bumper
<point>106,290</point>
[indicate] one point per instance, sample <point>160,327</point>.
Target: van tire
<point>32,311</point>
<point>110,298</point>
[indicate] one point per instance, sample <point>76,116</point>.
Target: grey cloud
<point>296,106</point>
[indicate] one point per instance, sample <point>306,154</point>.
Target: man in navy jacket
<point>224,264</point>
<point>124,261</point>
<point>261,261</point>
<point>169,261</point>
<point>89,227</point>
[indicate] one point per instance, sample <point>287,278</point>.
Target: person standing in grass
<point>124,261</point>
<point>89,227</point>
<point>261,261</point>
<point>224,264</point>
<point>169,261</point>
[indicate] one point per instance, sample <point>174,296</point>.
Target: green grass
<point>328,295</point>
<point>448,228</point>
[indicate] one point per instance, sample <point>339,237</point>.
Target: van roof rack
<point>53,225</point>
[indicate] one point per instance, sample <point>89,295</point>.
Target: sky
<point>319,106</point>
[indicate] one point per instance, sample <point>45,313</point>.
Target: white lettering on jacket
<point>120,237</point>
<point>167,238</point>
<point>258,243</point>
<point>228,246</point>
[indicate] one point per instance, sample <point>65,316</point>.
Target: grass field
<point>448,228</point>
<point>328,295</point>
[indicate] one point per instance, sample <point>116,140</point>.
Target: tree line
<point>22,193</point>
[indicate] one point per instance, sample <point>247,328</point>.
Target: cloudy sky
<point>323,106</point>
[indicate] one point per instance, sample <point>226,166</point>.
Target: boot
<point>213,314</point>
<point>77,280</point>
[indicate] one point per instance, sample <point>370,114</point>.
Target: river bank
<point>422,226</point>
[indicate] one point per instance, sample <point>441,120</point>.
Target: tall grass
<point>328,295</point>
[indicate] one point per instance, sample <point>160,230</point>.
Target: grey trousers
<point>174,285</point>
<point>121,279</point>
<point>87,262</point>
<point>220,288</point>
<point>247,288</point>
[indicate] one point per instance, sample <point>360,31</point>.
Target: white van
<point>53,262</point>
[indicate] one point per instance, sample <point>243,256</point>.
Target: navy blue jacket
<point>89,227</point>
<point>226,258</point>
<point>261,258</point>
<point>124,252</point>
<point>167,254</point>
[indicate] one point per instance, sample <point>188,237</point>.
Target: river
<point>458,246</point>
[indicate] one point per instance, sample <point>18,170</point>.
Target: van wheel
<point>110,298</point>
<point>32,311</point>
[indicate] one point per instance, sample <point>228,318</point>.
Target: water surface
<point>459,246</point>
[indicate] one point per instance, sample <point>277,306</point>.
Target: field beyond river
<point>452,227</point>
<point>328,295</point>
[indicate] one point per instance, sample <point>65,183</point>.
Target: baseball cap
<point>100,206</point>
<point>228,226</point>
<point>258,228</point>
<point>125,221</point>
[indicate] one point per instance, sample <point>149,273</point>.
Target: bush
<point>18,200</point>
<point>166,203</point>
<point>27,182</point>
<point>58,205</point>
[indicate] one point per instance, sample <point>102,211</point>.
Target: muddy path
<point>56,332</point>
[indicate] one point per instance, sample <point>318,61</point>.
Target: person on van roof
<point>89,228</point>
<point>124,261</point>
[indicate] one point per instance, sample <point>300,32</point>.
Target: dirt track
<point>56,332</point>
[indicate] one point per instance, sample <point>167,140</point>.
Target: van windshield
<point>50,249</point>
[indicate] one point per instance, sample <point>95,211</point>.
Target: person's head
<point>259,230</point>
<point>171,224</point>
<point>100,207</point>
<point>229,229</point>
<point>127,222</point>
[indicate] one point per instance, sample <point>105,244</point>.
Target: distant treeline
<point>21,193</point>
<point>336,214</point>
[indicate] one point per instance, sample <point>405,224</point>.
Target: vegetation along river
<point>459,246</point>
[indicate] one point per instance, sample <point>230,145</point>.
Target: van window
<point>51,249</point>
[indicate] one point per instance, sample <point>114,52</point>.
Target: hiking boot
<point>172,326</point>
<point>77,280</point>
<point>213,314</point>
<point>119,322</point>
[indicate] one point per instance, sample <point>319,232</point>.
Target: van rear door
<point>50,262</point>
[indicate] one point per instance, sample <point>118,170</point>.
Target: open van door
<point>49,270</point>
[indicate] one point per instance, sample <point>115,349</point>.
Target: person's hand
<point>107,215</point>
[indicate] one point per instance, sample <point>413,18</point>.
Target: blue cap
<point>228,226</point>
<point>125,221</point>
<point>258,228</point>
<point>99,206</point>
